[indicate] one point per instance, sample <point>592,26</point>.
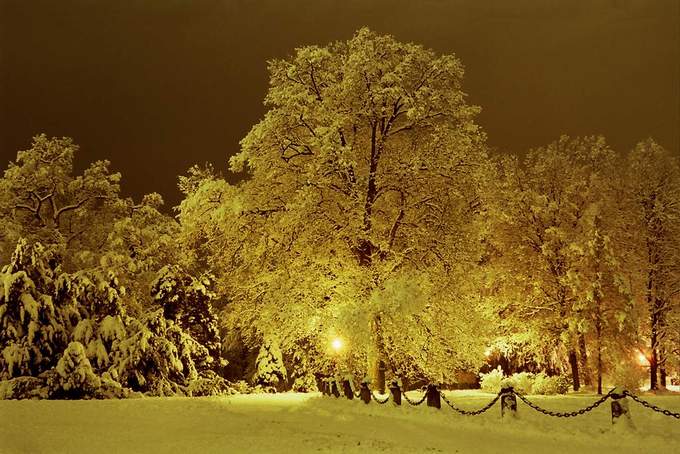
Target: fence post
<point>395,390</point>
<point>365,392</point>
<point>619,406</point>
<point>335,389</point>
<point>347,389</point>
<point>433,399</point>
<point>508,402</point>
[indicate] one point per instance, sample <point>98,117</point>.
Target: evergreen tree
<point>188,301</point>
<point>270,369</point>
<point>74,376</point>
<point>32,327</point>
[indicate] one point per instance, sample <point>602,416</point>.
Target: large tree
<point>358,216</point>
<point>42,199</point>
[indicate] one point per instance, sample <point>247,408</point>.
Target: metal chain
<point>644,403</point>
<point>470,412</point>
<point>569,414</point>
<point>379,400</point>
<point>414,402</point>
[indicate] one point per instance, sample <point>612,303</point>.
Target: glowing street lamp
<point>337,344</point>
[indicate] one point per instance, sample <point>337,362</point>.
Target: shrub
<point>628,375</point>
<point>491,382</point>
<point>523,382</point>
<point>544,384</point>
<point>23,388</point>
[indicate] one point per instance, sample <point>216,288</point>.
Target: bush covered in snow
<point>544,384</point>
<point>628,375</point>
<point>524,382</point>
<point>491,382</point>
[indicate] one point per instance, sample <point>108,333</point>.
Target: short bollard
<point>395,390</point>
<point>365,393</point>
<point>335,389</point>
<point>508,402</point>
<point>619,406</point>
<point>347,389</point>
<point>433,398</point>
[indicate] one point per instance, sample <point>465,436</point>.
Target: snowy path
<point>294,423</point>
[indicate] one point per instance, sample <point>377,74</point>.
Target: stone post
<point>365,393</point>
<point>620,409</point>
<point>433,398</point>
<point>508,402</point>
<point>395,390</point>
<point>347,389</point>
<point>335,388</point>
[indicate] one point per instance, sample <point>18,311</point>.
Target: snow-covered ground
<point>294,423</point>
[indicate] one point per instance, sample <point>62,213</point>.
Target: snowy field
<point>294,423</point>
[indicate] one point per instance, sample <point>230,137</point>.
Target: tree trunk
<point>598,330</point>
<point>378,375</point>
<point>583,356</point>
<point>377,363</point>
<point>573,362</point>
<point>662,367</point>
<point>654,358</point>
<point>661,331</point>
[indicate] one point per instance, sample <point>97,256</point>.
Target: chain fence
<point>434,391</point>
<point>568,414</point>
<point>415,403</point>
<point>381,401</point>
<point>470,412</point>
<point>646,404</point>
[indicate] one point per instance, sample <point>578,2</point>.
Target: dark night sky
<point>158,85</point>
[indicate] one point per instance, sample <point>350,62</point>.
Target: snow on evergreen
<point>75,377</point>
<point>270,369</point>
<point>188,301</point>
<point>69,335</point>
<point>303,378</point>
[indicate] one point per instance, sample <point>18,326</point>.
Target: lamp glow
<point>642,359</point>
<point>337,344</point>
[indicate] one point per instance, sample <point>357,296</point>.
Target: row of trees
<point>374,212</point>
<point>583,248</point>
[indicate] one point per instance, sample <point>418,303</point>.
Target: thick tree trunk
<point>583,356</point>
<point>654,358</point>
<point>654,324</point>
<point>661,347</point>
<point>376,358</point>
<point>573,362</point>
<point>662,377</point>
<point>598,330</point>
<point>662,367</point>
